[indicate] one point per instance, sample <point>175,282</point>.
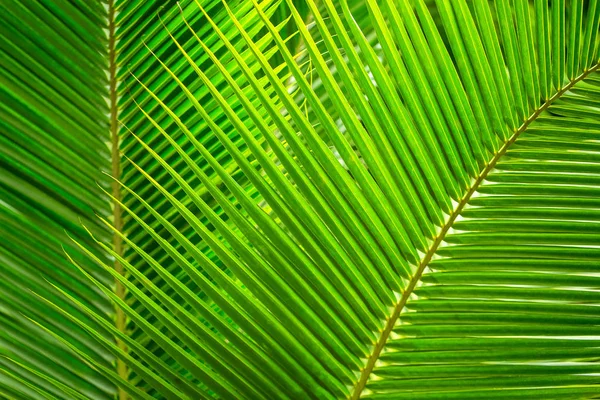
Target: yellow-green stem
<point>120,321</point>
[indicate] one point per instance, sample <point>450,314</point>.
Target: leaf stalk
<point>120,318</point>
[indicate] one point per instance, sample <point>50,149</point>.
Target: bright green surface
<point>511,300</point>
<point>285,173</point>
<point>53,147</point>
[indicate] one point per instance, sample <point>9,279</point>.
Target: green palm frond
<point>53,145</point>
<point>135,96</point>
<point>325,199</point>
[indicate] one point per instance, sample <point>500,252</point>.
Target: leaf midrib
<point>393,318</point>
<point>120,318</point>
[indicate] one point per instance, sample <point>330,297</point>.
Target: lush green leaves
<point>53,134</point>
<point>324,251</point>
<point>510,301</point>
<point>387,199</point>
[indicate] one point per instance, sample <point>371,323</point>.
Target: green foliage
<point>53,147</point>
<point>328,199</point>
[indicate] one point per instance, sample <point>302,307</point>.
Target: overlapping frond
<point>139,64</point>
<point>357,191</point>
<point>416,214</point>
<point>53,145</point>
<point>510,299</point>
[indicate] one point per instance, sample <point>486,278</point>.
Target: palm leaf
<point>134,96</point>
<point>53,138</point>
<point>388,199</point>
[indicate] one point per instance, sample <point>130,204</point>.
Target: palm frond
<point>136,102</point>
<point>53,145</point>
<point>372,199</point>
<point>326,228</point>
